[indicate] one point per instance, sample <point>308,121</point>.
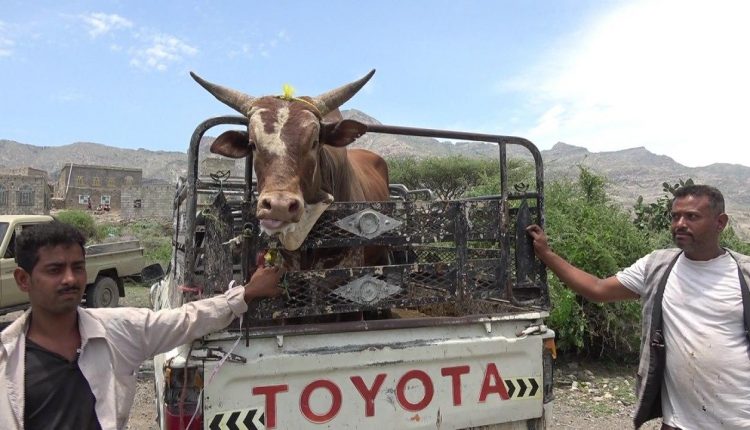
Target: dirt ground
<point>587,396</point>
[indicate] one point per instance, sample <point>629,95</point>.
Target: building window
<point>83,199</point>
<point>137,203</point>
<point>105,200</point>
<point>25,195</point>
<point>80,181</point>
<point>111,182</point>
<point>3,196</point>
<point>96,182</point>
<point>128,180</point>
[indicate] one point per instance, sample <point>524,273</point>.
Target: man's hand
<point>541,246</point>
<point>583,283</point>
<point>263,283</point>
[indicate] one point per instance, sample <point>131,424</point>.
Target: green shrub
<point>104,231</point>
<point>81,220</point>
<point>155,237</point>
<point>599,237</point>
<point>157,250</point>
<point>729,239</point>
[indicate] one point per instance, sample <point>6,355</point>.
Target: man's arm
<point>589,286</point>
<point>147,332</point>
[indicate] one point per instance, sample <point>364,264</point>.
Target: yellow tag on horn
<point>288,92</point>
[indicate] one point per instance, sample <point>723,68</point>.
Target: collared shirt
<point>114,343</point>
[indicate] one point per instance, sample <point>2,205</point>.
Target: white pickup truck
<point>106,266</point>
<point>457,340</point>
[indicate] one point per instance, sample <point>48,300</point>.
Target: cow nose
<point>280,206</point>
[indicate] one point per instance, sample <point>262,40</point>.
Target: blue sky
<point>672,76</point>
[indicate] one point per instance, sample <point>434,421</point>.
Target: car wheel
<point>103,293</point>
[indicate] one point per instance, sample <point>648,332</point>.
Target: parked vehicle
<point>106,266</point>
<point>457,338</point>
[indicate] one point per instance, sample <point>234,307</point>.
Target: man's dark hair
<point>46,234</point>
<point>715,198</point>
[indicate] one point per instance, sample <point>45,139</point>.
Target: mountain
<point>160,165</point>
<point>630,172</point>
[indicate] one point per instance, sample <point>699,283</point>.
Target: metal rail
<point>501,140</point>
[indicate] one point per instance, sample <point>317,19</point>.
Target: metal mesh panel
<point>425,252</point>
<point>420,222</point>
<point>319,292</point>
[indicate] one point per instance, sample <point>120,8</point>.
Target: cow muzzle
<point>277,209</point>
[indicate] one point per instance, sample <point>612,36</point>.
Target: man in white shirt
<point>695,349</point>
<point>66,367</point>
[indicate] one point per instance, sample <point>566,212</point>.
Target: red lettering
<point>368,394</point>
<point>429,390</point>
<point>270,391</point>
<point>304,401</point>
<point>455,373</point>
<point>493,383</point>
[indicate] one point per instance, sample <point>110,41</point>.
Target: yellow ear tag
<point>288,92</point>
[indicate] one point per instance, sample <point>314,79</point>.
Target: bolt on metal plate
<point>366,290</point>
<point>368,223</point>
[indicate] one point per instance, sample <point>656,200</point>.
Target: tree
<point>456,176</point>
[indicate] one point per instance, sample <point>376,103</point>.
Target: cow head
<point>286,135</point>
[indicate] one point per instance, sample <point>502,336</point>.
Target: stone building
<point>103,185</point>
<point>154,201</point>
<point>24,191</point>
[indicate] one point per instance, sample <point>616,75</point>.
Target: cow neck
<point>335,173</point>
<point>292,239</point>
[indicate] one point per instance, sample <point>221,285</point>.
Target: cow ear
<point>341,133</point>
<point>232,144</point>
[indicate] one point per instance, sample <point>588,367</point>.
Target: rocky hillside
<point>631,172</point>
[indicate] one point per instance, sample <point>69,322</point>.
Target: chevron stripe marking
<point>254,420</point>
<point>521,387</point>
<point>231,422</point>
<point>215,422</point>
<point>248,419</point>
<point>511,388</point>
<point>534,387</point>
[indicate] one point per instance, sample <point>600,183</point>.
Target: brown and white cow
<point>300,157</point>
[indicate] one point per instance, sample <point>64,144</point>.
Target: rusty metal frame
<point>191,187</point>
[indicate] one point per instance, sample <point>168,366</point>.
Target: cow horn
<point>331,100</point>
<point>234,99</point>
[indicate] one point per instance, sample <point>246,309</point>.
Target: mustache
<point>72,288</point>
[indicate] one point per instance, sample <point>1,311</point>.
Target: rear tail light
<point>179,420</point>
<point>182,398</point>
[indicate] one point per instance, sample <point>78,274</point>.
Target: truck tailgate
<point>450,377</point>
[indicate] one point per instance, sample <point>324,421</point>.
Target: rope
<point>221,362</point>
